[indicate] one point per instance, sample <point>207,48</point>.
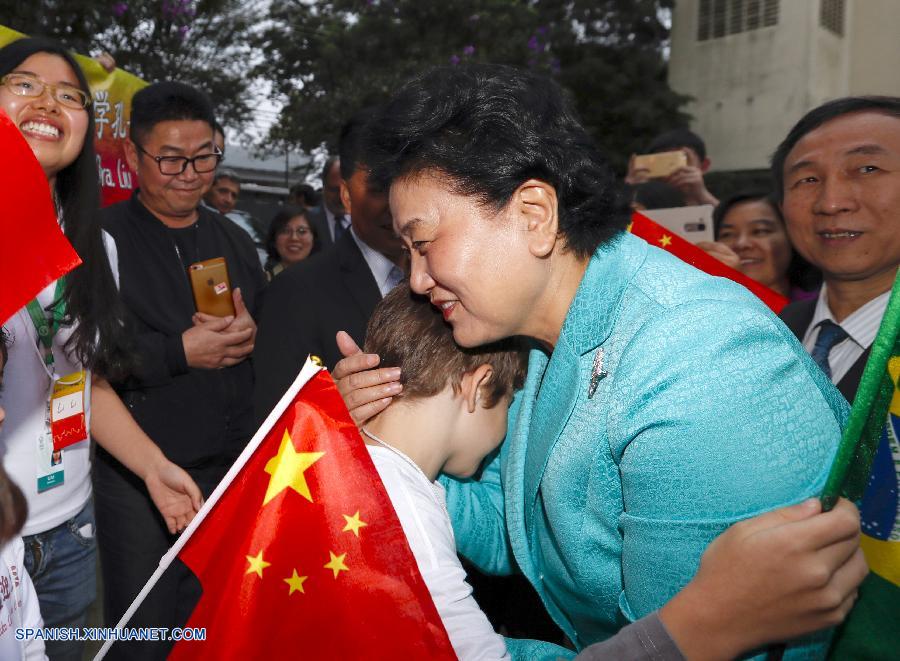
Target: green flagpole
<point>853,462</point>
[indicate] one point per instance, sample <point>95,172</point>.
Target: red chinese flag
<point>303,556</point>
<point>33,250</point>
<point>659,236</point>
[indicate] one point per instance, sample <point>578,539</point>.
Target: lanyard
<point>46,328</point>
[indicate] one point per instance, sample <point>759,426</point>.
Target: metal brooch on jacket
<point>597,373</point>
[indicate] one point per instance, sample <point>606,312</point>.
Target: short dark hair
<point>306,193</point>
<point>887,105</point>
<point>656,194</point>
<point>327,167</point>
<point>350,143</point>
<point>227,173</point>
<point>279,220</point>
<point>677,139</point>
<point>168,101</point>
<point>408,332</point>
<point>488,129</point>
<point>800,273</point>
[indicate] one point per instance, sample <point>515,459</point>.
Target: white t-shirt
<point>26,387</point>
<point>422,509</point>
<point>18,605</point>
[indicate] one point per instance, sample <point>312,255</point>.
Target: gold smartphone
<point>212,288</point>
<point>660,165</point>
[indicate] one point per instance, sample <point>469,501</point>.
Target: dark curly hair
<point>488,129</point>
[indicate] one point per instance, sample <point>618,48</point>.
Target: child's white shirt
<point>18,605</point>
<point>421,506</point>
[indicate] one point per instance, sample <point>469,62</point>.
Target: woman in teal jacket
<point>661,405</point>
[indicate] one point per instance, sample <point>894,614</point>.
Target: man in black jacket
<point>192,390</point>
<point>336,290</point>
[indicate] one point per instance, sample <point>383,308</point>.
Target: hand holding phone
<point>659,165</point>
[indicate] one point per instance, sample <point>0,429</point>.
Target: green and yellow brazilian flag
<point>867,471</point>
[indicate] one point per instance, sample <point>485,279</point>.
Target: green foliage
<point>328,59</point>
<point>201,42</point>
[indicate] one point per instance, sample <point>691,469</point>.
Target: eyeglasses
<point>299,232</point>
<point>24,84</point>
<point>175,165</point>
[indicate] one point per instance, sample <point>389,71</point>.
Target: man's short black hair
<point>887,105</point>
<point>350,144</point>
<point>677,139</point>
<point>168,101</point>
<point>327,167</point>
<point>227,173</point>
<point>655,194</point>
<point>306,193</point>
<point>487,129</point>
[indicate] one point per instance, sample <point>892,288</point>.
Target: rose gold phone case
<point>662,164</point>
<point>212,289</point>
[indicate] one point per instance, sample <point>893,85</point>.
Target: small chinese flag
<point>33,250</point>
<point>303,556</point>
<point>659,236</point>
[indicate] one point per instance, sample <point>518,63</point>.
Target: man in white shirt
<point>838,176</point>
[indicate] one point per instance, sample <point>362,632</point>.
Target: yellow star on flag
<point>665,240</point>
<point>296,583</point>
<point>257,564</point>
<point>354,523</point>
<point>336,564</point>
<point>286,469</point>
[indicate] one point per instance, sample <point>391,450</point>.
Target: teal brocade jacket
<point>704,410</point>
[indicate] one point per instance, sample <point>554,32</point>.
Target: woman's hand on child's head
<point>366,391</point>
<point>768,579</point>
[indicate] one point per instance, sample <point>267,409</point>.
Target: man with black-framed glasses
<point>192,393</point>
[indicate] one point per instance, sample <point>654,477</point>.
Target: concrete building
<point>754,67</point>
<point>265,181</point>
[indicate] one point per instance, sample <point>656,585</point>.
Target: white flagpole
<point>309,370</point>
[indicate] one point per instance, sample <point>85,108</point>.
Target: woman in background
<point>290,240</point>
<point>751,237</point>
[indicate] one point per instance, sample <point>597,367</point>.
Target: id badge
<point>49,462</point>
<point>68,422</point>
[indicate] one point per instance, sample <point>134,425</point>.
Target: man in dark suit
<point>838,178</point>
<point>329,219</point>
<point>336,290</point>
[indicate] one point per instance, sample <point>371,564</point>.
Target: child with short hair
<point>451,415</point>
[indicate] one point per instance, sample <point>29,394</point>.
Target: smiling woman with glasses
<point>45,94</point>
<point>290,240</point>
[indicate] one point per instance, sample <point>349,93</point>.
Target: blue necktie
<point>394,277</point>
<point>829,335</point>
<point>339,228</point>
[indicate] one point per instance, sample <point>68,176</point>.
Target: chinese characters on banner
<point>111,108</point>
